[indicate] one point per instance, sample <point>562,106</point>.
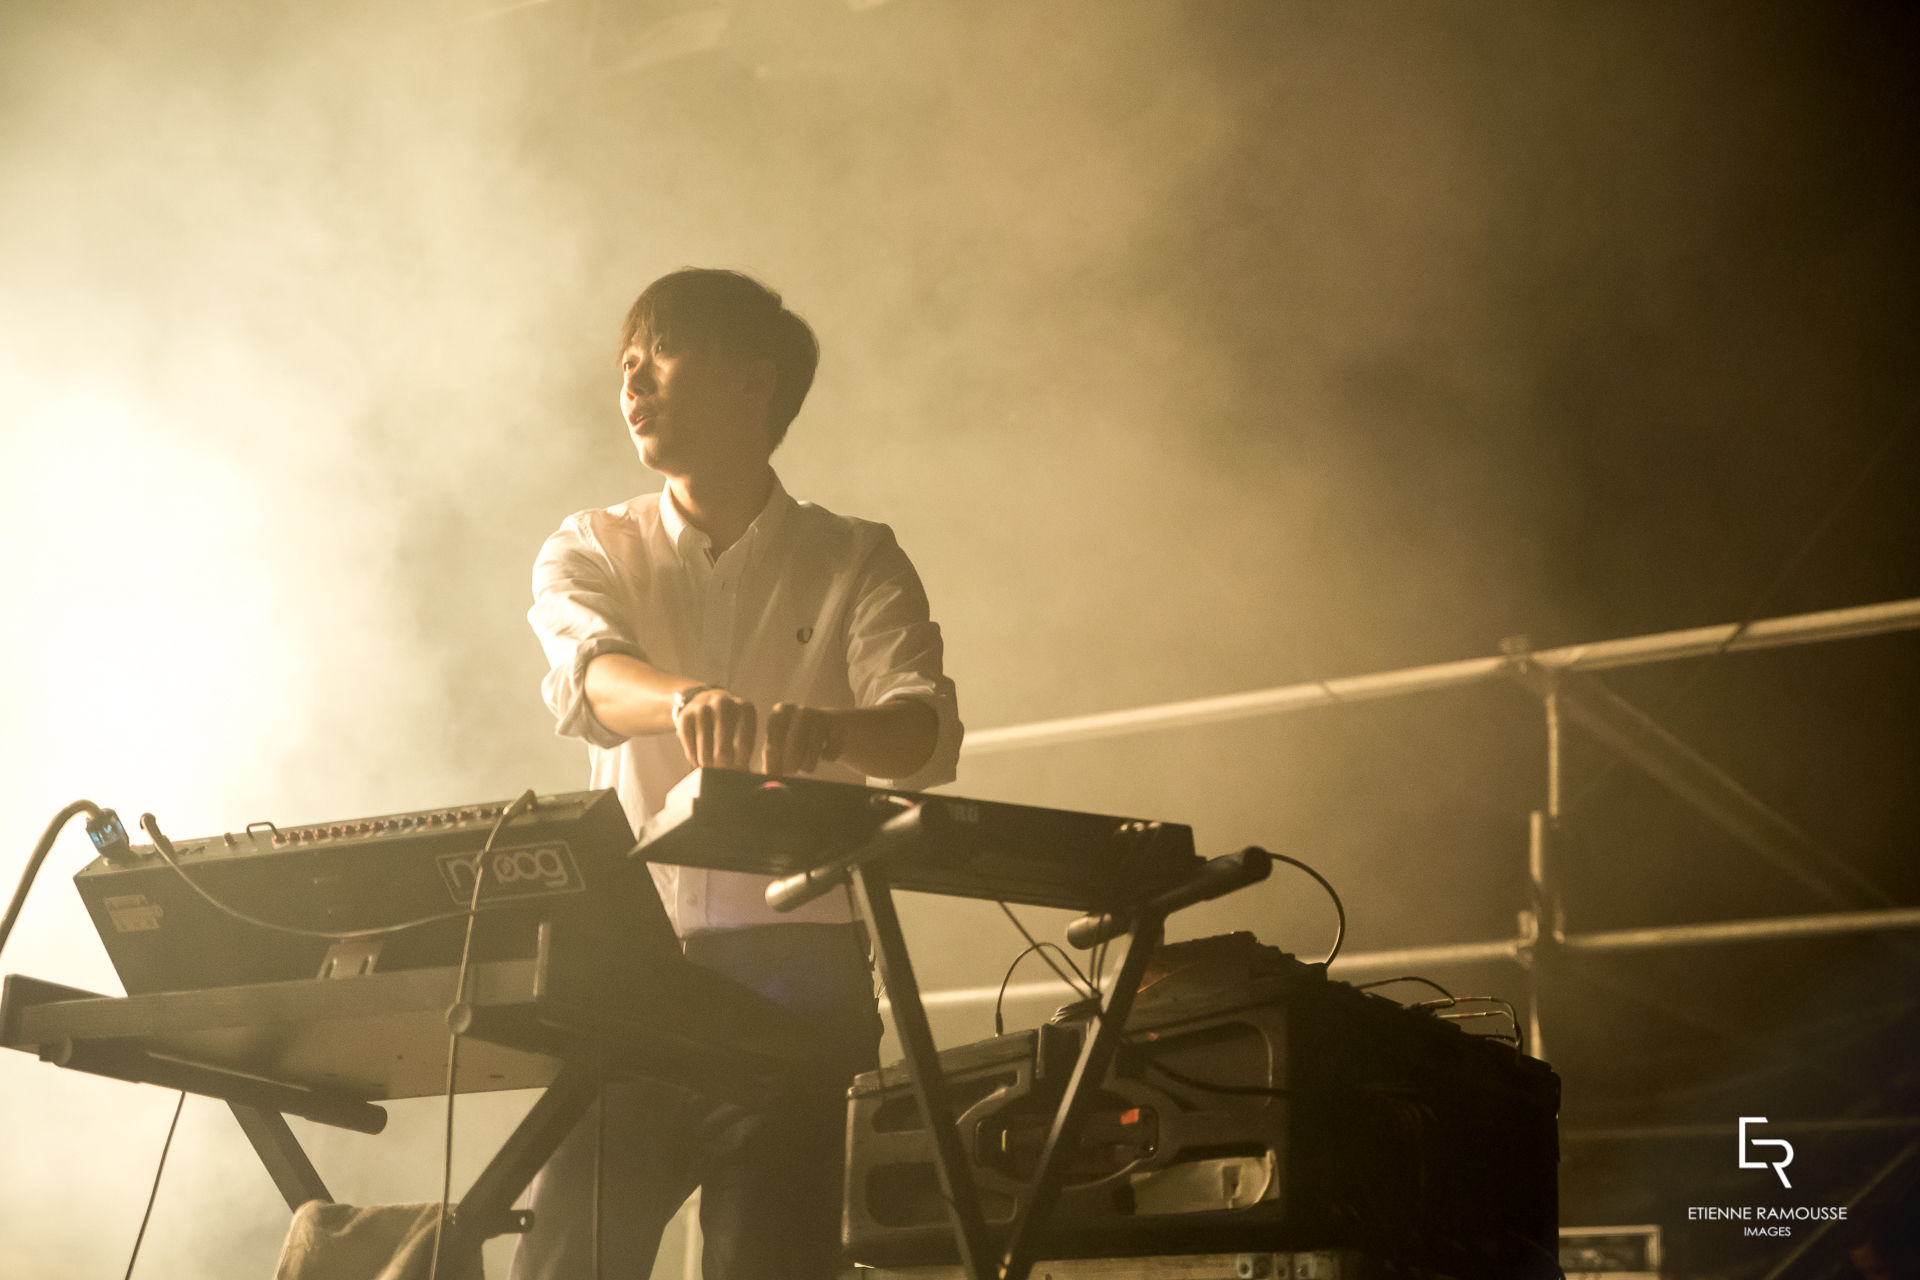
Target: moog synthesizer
<point>369,873</point>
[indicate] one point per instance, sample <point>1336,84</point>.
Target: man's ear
<point>757,381</point>
<point>758,377</point>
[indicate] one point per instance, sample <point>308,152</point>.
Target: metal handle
<point>1215,879</point>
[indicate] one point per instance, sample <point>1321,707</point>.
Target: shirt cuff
<point>576,718</point>
<point>943,762</point>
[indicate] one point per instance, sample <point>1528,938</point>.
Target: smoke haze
<point>1188,347</point>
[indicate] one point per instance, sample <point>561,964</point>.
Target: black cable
<point>39,855</point>
<point>1505,1010</point>
<point>1339,909</point>
<point>1034,944</point>
<point>154,1193</point>
<point>599,1157</point>
<point>999,1024</point>
<point>1387,982</point>
<point>525,801</point>
<point>1449,1000</point>
<point>1207,1086</point>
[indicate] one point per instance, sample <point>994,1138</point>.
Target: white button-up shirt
<point>807,607</point>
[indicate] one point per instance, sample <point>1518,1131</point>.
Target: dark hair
<point>736,315</point>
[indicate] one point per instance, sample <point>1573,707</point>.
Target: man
<point>723,623</point>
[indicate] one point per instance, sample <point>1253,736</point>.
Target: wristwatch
<point>682,697</point>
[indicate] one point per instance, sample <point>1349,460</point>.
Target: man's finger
<point>773,755</point>
<point>794,745</point>
<point>808,730</point>
<point>706,718</point>
<point>684,729</point>
<point>743,736</point>
<point>726,723</point>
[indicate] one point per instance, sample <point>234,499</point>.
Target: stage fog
<point>1189,348</point>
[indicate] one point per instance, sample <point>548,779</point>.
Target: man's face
<point>691,410</point>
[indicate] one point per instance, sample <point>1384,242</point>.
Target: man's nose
<point>640,378</point>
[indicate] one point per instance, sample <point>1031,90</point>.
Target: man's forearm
<point>630,696</point>
<point>892,740</point>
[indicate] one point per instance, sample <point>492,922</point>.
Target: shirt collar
<point>690,542</point>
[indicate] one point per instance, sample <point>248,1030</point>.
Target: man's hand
<point>799,739</point>
<point>716,729</point>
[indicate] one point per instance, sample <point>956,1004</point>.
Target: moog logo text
<point>530,869</point>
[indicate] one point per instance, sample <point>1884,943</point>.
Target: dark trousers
<point>769,1178</point>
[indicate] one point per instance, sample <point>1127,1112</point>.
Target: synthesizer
<point>567,854</point>
<point>727,820</point>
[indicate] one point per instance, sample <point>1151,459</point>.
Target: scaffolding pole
<point>1448,954</point>
<point>1667,646</point>
<point>1542,946</point>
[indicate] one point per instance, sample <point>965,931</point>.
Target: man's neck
<point>722,507</point>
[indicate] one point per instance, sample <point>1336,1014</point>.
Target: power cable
<point>999,1001</point>
<point>526,800</point>
<point>1150,1063</point>
<point>1339,908</point>
<point>153,1193</point>
<point>104,828</point>
<point>1079,981</point>
<point>1387,982</point>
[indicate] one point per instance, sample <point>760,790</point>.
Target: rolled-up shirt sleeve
<point>894,651</point>
<point>577,615</point>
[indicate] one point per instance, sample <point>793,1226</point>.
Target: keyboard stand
<point>487,1208</point>
<point>330,1049</point>
<point>874,901</point>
